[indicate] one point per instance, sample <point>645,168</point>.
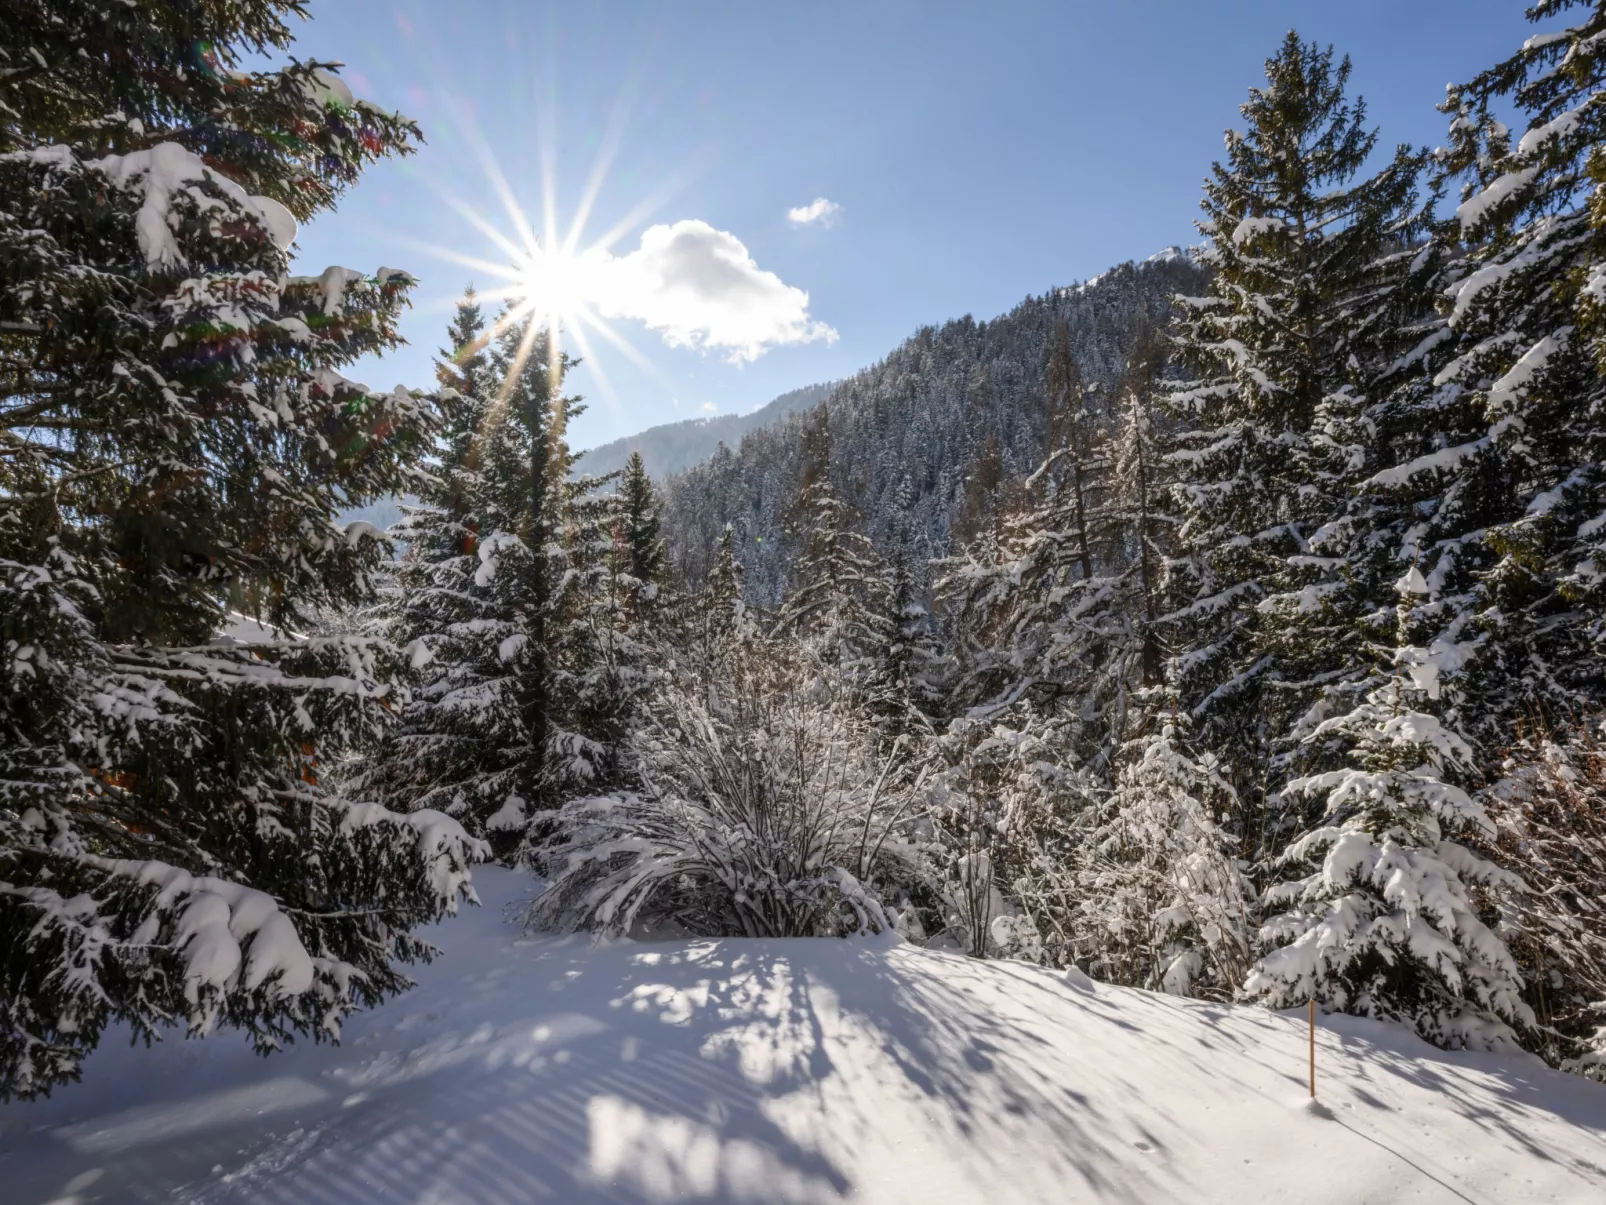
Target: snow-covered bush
<point>1550,809</point>
<point>763,812</point>
<point>1159,898</point>
<point>1001,824</point>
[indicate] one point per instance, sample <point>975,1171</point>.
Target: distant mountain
<point>906,434</point>
<point>675,447</point>
<point>666,449</point>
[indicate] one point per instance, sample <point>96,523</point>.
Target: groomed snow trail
<point>534,1070</point>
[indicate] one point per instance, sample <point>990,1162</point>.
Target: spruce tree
<point>1500,453</point>
<point>1160,898</point>
<point>444,752</point>
<point>1482,493</point>
<point>724,607</point>
<point>506,604</point>
<point>837,569</point>
<point>902,688</point>
<point>1306,263</point>
<point>178,439</point>
<point>641,543</point>
<point>1389,918</point>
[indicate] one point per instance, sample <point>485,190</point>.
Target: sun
<point>548,282</point>
<point>558,284</point>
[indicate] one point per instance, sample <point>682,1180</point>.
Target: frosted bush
<point>762,812</point>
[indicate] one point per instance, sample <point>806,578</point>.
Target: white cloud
<point>818,210</point>
<point>710,407</point>
<point>699,287</point>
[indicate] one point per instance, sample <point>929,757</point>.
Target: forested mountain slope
<point>957,403</point>
<point>675,447</point>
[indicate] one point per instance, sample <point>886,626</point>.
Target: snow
<point>162,172</point>
<point>1503,393</point>
<point>1253,227</point>
<point>325,88</point>
<point>1413,582</point>
<point>225,929</point>
<point>1559,127</point>
<point>1167,255</point>
<point>1473,210</point>
<point>331,285</point>
<point>536,1069</point>
<point>1540,40</point>
<point>1441,461</point>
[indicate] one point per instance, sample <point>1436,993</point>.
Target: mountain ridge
<point>908,432</point>
<point>674,447</point>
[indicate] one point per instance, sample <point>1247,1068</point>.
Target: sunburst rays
<point>546,277</point>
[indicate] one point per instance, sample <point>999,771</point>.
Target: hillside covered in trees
<point>926,443</point>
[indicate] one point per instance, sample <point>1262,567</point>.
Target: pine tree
<point>599,664</point>
<point>1060,607</point>
<point>509,604</point>
<point>639,537</point>
<point>1073,435</point>
<point>1388,920</point>
<point>1483,486</point>
<point>724,607</point>
<point>1160,900</point>
<point>1138,486</point>
<point>1306,264</point>
<point>1500,451</point>
<point>444,751</point>
<point>837,569</point>
<point>902,689</point>
<point>178,438</point>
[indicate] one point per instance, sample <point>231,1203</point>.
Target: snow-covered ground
<point>530,1070</point>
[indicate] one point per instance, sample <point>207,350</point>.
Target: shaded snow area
<point>531,1069</point>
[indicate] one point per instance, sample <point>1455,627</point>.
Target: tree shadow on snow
<point>753,1071</point>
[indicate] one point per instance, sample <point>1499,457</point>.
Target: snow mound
<point>782,1072</point>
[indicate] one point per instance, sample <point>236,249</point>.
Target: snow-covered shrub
<point>1550,809</point>
<point>763,812</point>
<point>999,818</point>
<point>1159,899</point>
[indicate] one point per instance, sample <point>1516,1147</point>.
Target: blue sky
<point>978,153</point>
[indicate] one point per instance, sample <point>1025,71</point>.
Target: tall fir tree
<point>640,540</point>
<point>1390,918</point>
<point>178,439</point>
<point>1500,450</point>
<point>1159,897</point>
<point>509,604</point>
<point>1483,494</point>
<point>1306,267</point>
<point>830,605</point>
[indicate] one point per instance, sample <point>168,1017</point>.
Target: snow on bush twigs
<point>763,812</point>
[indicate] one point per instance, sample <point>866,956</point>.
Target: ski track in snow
<point>529,1069</point>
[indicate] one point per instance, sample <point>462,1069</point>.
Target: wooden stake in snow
<point>1313,1047</point>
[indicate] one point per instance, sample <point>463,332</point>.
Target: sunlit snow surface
<point>798,1071</point>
